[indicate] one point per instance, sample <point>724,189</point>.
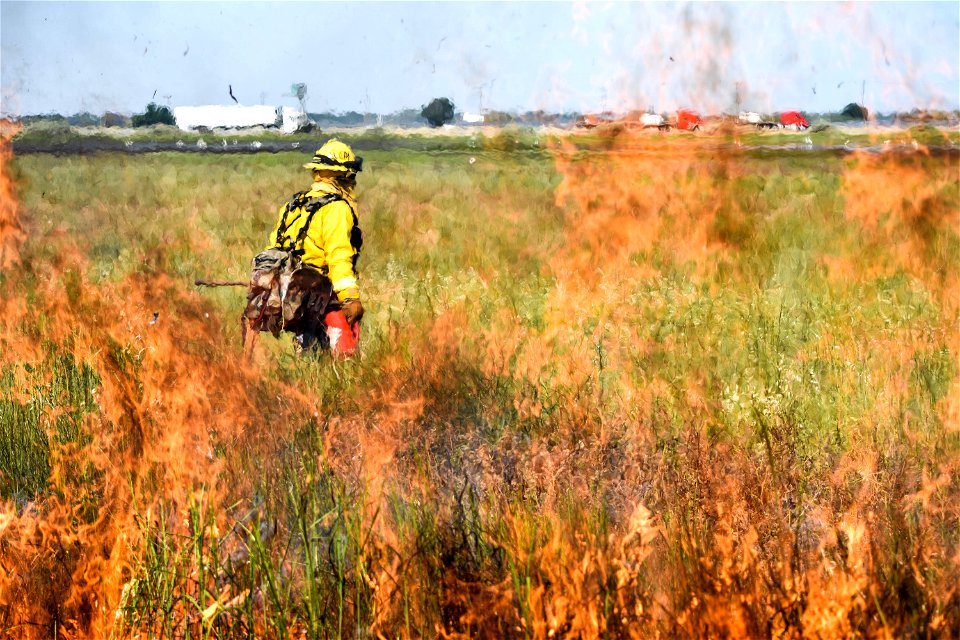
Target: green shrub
<point>438,112</point>
<point>155,114</point>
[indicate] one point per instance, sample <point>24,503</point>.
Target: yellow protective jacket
<point>331,242</point>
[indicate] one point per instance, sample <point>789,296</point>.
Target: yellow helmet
<point>335,156</point>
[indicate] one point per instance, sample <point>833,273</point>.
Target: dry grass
<point>606,392</point>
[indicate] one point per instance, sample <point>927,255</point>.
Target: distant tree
<point>403,118</point>
<point>111,119</point>
<point>855,111</point>
<point>44,117</point>
<point>85,119</point>
<point>348,119</point>
<point>438,112</point>
<point>409,117</point>
<point>154,115</point>
<point>497,118</point>
<point>538,117</point>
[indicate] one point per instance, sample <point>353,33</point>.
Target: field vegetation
<point>610,387</point>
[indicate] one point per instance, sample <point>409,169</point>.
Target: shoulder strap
<point>295,202</point>
<point>311,206</point>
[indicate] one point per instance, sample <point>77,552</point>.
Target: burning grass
<point>604,393</point>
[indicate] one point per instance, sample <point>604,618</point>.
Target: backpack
<point>284,294</point>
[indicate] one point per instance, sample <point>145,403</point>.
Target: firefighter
<point>320,227</point>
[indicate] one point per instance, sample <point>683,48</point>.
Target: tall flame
<point>11,231</point>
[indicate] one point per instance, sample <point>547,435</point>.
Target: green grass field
<point>608,389</point>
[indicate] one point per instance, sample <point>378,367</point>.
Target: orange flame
<point>11,231</point>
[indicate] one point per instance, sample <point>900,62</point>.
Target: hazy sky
<point>69,57</point>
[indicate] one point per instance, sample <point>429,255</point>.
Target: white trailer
<point>754,118</point>
<point>651,120</point>
<point>225,117</point>
<point>654,121</point>
<point>288,119</point>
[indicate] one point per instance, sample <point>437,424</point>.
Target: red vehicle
<point>794,118</point>
<point>688,120</point>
